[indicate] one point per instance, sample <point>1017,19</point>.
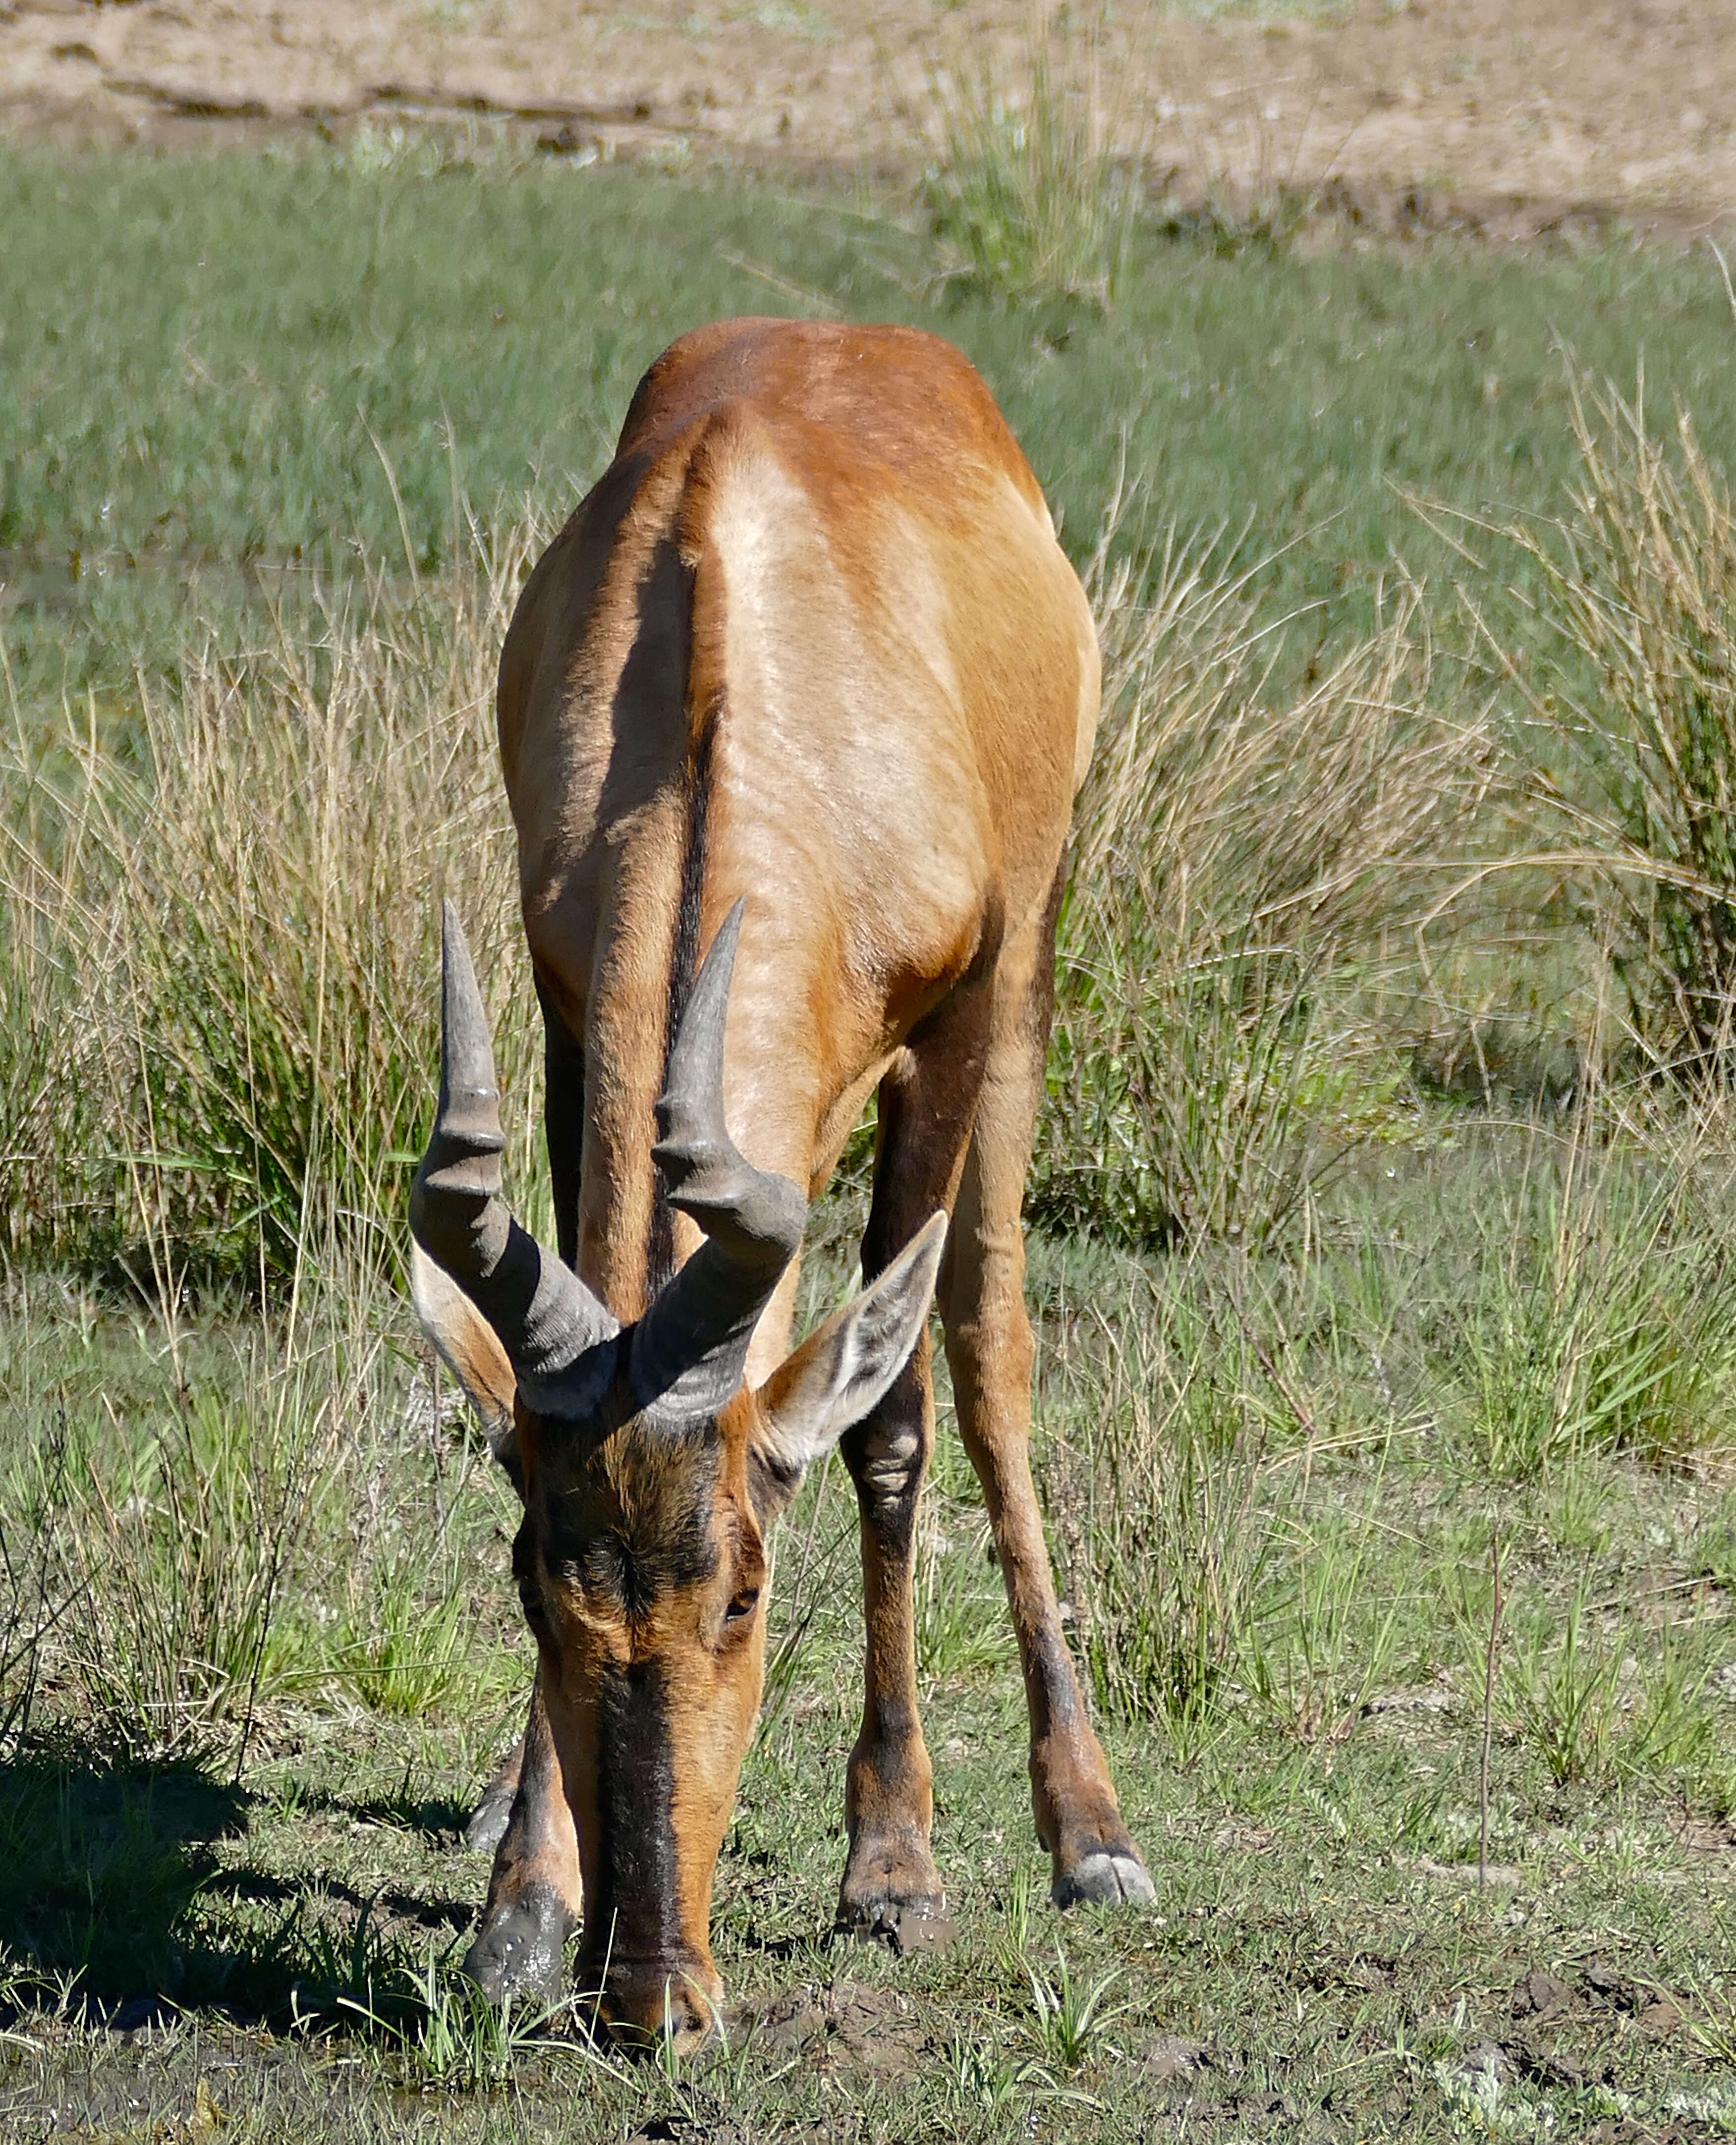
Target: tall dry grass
<point>218,934</point>
<point>1631,736</point>
<point>219,927</point>
<point>1236,850</point>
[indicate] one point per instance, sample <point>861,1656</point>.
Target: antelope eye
<point>744,1605</point>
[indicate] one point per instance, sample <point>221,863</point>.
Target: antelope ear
<point>471,1351</point>
<point>844,1368</point>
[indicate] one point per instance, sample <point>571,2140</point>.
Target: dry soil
<point>1505,118</point>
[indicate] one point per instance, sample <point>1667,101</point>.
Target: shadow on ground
<point>98,1868</point>
<point>118,1904</point>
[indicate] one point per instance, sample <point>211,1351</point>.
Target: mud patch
<point>1171,2057</point>
<point>848,2026</point>
<point>1541,1995</point>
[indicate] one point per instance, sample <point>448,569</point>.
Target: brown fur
<point>823,542</point>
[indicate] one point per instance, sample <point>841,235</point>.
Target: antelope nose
<point>643,2000</point>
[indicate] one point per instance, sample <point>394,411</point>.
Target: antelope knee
<point>892,1461</point>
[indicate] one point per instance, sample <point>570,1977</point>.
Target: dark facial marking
<point>524,1573</point>
<point>684,959</point>
<point>635,1906</point>
<point>634,1523</point>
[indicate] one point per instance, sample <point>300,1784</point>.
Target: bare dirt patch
<point>1467,111</point>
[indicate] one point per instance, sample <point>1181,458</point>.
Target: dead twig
<point>1488,1706</point>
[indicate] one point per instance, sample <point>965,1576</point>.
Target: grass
<point>1588,1705</point>
<point>178,1481</point>
<point>1318,1943</point>
<point>1030,203</point>
<point>1600,1321</point>
<point>1072,2024</point>
<point>1638,578</point>
<point>212,374</point>
<point>1311,1327</point>
<point>260,1037</point>
<point>1201,1080</point>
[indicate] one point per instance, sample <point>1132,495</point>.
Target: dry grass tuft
<point>1026,191</point>
<point>220,935</point>
<point>1232,852</point>
<point>1166,1502</point>
<point>1632,744</point>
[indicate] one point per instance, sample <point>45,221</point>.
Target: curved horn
<point>543,1313</point>
<point>689,1348</point>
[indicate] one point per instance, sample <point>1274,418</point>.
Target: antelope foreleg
<point>990,1351</point>
<point>533,1892</point>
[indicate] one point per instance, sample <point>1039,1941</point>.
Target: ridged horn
<point>689,1348</point>
<point>545,1317</point>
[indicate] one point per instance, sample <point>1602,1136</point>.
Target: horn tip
<point>728,937</point>
<point>458,971</point>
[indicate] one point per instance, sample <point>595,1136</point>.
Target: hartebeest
<point>808,682</point>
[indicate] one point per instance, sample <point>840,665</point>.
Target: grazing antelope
<point>806,685</point>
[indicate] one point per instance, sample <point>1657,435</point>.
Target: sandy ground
<point>1506,115</point>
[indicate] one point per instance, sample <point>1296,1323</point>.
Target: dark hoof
<point>1103,1879</point>
<point>518,1955</point>
<point>487,1826</point>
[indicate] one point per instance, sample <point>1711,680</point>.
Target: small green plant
<point>1321,1648</point>
<point>980,2081</point>
<point>1599,1697</point>
<point>1669,1730</point>
<point>1012,1940</point>
<point>1418,1827</point>
<point>1071,2021</point>
<point>399,1651</point>
<point>1600,1322</point>
<point>341,1965</point>
<point>454,2039</point>
<point>467,2041</point>
<point>1559,1690</point>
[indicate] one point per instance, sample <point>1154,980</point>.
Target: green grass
<point>258,1643</point>
<point>209,367</point>
<point>1319,1952</point>
<point>351,395</point>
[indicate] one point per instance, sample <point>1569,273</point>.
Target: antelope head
<point>651,1475</point>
